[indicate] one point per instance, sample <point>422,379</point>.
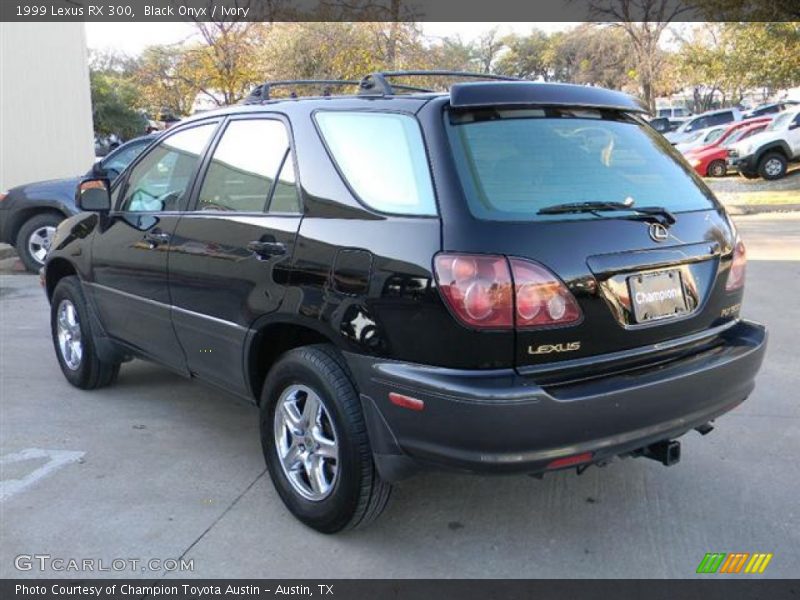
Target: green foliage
<point>113,102</point>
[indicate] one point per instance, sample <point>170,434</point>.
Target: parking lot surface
<point>158,467</point>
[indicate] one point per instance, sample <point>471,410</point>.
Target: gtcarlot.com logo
<point>734,562</point>
<point>46,562</point>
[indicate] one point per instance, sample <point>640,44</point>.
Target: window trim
<point>123,181</point>
<point>346,182</point>
<point>191,208</point>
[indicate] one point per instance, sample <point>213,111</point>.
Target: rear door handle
<point>266,249</point>
<point>156,238</point>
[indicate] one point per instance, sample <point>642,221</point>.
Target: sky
<point>132,38</point>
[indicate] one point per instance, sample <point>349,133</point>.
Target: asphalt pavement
<point>158,467</point>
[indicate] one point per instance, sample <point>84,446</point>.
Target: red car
<point>709,160</point>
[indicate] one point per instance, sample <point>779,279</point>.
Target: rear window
<point>512,163</point>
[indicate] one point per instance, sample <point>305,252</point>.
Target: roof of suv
<point>493,91</point>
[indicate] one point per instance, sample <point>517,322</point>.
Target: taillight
<point>477,288</point>
<point>542,299</point>
<point>484,293</point>
<point>736,274</point>
<point>3,196</point>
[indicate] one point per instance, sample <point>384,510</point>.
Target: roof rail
<point>262,92</point>
<point>377,83</point>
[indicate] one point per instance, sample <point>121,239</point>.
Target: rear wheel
<point>772,166</point>
<point>73,338</point>
<point>34,239</point>
<point>717,168</point>
<point>315,442</point>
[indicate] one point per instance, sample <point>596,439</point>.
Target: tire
<point>69,318</point>
<point>34,237</point>
<point>717,168</point>
<point>348,491</point>
<point>772,166</point>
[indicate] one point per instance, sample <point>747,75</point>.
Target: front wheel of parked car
<point>772,166</point>
<point>74,340</point>
<point>717,168</point>
<point>34,239</point>
<point>315,442</point>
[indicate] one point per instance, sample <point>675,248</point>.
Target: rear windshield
<point>512,163</point>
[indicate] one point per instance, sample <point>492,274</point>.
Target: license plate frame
<point>657,296</point>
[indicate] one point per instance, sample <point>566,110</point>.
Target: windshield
<point>779,121</point>
<point>513,163</point>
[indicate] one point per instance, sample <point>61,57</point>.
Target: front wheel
<point>717,168</point>
<point>772,166</point>
<point>74,340</point>
<point>34,239</point>
<point>315,442</point>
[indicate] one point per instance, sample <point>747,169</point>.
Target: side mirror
<point>93,195</point>
<point>793,125</point>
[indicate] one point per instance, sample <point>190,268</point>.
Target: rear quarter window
<point>382,158</point>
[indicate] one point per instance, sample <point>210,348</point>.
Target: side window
<point>382,157</point>
<point>244,167</point>
<point>162,179</point>
<point>700,123</point>
<point>116,163</point>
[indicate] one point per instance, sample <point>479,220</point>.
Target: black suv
<point>509,277</point>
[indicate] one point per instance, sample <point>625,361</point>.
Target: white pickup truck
<point>768,154</point>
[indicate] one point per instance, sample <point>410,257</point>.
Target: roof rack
<point>262,92</point>
<point>377,83</point>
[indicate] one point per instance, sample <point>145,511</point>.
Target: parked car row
<point>761,142</point>
<point>30,213</point>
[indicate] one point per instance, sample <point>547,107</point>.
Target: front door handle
<point>267,249</point>
<point>156,238</point>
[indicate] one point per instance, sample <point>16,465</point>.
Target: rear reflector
<point>570,461</point>
<point>736,274</point>
<point>406,401</point>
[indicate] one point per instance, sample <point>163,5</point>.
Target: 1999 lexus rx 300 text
<point>509,277</point>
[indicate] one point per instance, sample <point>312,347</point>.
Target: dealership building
<point>45,102</point>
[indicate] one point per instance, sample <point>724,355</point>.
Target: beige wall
<point>45,104</point>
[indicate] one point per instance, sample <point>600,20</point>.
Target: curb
<point>7,251</point>
<point>755,209</point>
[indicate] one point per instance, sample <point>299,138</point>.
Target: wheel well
<point>22,216</point>
<point>776,149</point>
<point>57,269</point>
<point>270,343</point>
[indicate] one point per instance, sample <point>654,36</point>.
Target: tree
<point>165,80</point>
<point>729,58</point>
<point>113,101</point>
<point>526,56</point>
<point>644,21</point>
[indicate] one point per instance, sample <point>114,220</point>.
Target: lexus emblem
<point>658,232</point>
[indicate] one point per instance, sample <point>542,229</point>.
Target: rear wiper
<point>580,207</point>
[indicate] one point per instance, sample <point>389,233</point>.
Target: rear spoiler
<point>527,93</point>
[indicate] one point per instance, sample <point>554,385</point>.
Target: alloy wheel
<point>773,167</point>
<point>306,442</point>
<point>39,242</point>
<point>68,329</point>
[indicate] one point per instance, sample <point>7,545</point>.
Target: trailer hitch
<point>667,452</point>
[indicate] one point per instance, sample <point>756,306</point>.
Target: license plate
<point>657,295</point>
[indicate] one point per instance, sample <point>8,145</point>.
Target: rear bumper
<point>500,421</point>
